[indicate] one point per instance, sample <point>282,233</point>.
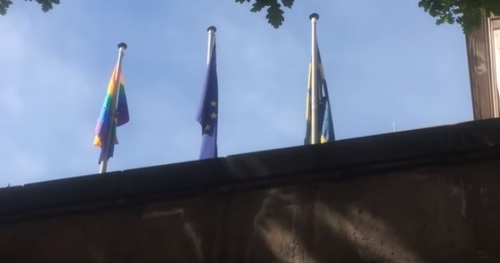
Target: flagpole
<point>211,36</point>
<point>112,120</point>
<point>314,80</point>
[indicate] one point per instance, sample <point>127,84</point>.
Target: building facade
<point>483,49</point>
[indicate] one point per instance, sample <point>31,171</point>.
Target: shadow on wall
<point>428,215</point>
<point>442,214</point>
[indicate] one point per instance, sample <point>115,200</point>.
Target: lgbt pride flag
<point>106,127</point>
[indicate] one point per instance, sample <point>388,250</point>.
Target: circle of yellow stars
<point>212,116</point>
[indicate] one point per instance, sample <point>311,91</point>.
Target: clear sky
<point>385,61</point>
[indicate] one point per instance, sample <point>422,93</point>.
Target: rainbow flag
<point>121,117</point>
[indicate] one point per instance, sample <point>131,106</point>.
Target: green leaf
<point>288,3</point>
<point>275,15</point>
<point>257,6</point>
<point>4,5</point>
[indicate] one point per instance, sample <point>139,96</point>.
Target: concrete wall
<point>443,213</point>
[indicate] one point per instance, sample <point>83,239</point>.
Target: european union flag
<point>208,112</point>
<point>325,121</point>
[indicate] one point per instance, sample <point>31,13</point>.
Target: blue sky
<point>385,62</point>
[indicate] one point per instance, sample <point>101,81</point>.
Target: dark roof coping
<point>339,160</point>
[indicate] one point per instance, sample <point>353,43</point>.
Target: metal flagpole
<point>114,99</point>
<point>211,37</point>
<point>314,81</point>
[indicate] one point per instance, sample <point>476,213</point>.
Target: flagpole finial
<point>212,28</point>
<point>314,15</point>
<point>122,45</point>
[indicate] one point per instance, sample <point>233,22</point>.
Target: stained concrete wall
<point>427,214</point>
<point>356,201</point>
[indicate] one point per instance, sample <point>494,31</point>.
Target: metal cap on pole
<point>314,81</point>
<point>122,45</point>
<point>212,28</point>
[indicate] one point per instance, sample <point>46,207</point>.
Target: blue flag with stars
<point>208,112</point>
